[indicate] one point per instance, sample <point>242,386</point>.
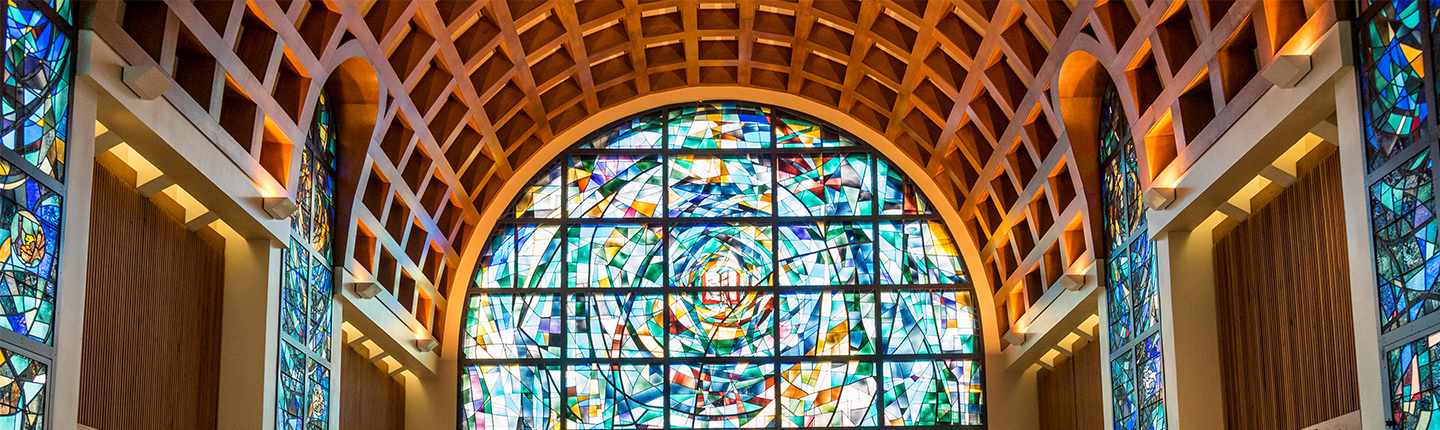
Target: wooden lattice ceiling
<point>474,88</point>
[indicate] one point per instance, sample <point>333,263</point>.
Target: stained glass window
<point>306,292</point>
<point>1137,377</point>
<point>720,265</point>
<point>35,96</point>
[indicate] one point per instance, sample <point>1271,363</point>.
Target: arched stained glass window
<point>1133,297</point>
<point>720,265</point>
<point>306,297</point>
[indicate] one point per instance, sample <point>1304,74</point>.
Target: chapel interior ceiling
<point>971,90</point>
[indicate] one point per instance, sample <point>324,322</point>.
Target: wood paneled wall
<point>369,397</point>
<point>1287,343</point>
<point>152,317</point>
<point>1071,397</point>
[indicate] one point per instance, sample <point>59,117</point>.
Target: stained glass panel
<point>827,323</point>
<point>719,126</point>
<point>927,322</point>
<point>722,324</point>
<point>928,393</point>
<point>1392,89</point>
<point>840,394</point>
<point>825,185</point>
<point>898,194</point>
<point>293,386</point>
<point>23,383</point>
<point>614,186</point>
<point>616,326</point>
<point>837,253</point>
<point>1402,205</point>
<point>1414,374</point>
<point>644,132</point>
<point>616,256</point>
<point>1122,390</point>
<point>537,262</point>
<point>35,107</point>
<point>614,396</point>
<point>1143,283</point>
<point>706,186</point>
<point>763,268</point>
<point>511,397</point>
<point>512,326</point>
<point>918,253</point>
<point>729,395</point>
<point>791,132</point>
<point>29,249</point>
<point>720,255</point>
<point>541,198</point>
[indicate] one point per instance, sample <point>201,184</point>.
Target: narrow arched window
<point>720,265</point>
<point>306,302</point>
<point>1133,299</point>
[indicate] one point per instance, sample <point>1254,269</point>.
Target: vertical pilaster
<point>74,251</point>
<point>249,335</point>
<point>1188,323</point>
<point>1369,367</point>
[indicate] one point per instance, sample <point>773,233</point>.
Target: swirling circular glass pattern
<point>720,265</point>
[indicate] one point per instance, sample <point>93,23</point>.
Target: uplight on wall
<point>425,343</point>
<point>366,290</point>
<point>1158,198</point>
<point>1285,71</point>
<point>282,207</point>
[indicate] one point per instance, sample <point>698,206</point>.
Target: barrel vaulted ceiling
<point>469,91</point>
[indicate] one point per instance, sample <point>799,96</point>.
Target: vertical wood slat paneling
<point>1286,339</point>
<point>369,397</point>
<point>152,317</point>
<point>1070,395</point>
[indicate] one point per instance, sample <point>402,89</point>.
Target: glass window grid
<point>1128,350</point>
<point>772,221</point>
<point>35,357</point>
<point>301,244</point>
<point>1411,336</point>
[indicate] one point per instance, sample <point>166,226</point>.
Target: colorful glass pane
<point>1414,374</point>
<point>828,394</point>
<point>825,185</point>
<point>719,126</point>
<point>791,132</point>
<point>1393,101</point>
<point>644,132</point>
<point>294,297</point>
<point>315,196</point>
<point>918,253</point>
<point>614,186</point>
<point>614,396</point>
<point>706,186</point>
<point>722,395</point>
<point>615,326</point>
<point>23,383</point>
<point>1122,390</point>
<point>537,261</point>
<point>837,253</point>
<point>541,198</point>
<point>722,324</point>
<point>510,397</point>
<point>928,322</point>
<point>929,393</point>
<point>35,106</point>
<point>827,323</point>
<point>615,256</point>
<point>293,387</point>
<point>512,326</point>
<point>720,255</point>
<point>898,194</point>
<point>1149,372</point>
<point>1402,214</point>
<point>497,263</point>
<point>1120,299</point>
<point>29,248</point>
<point>317,398</point>
<point>1142,281</point>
